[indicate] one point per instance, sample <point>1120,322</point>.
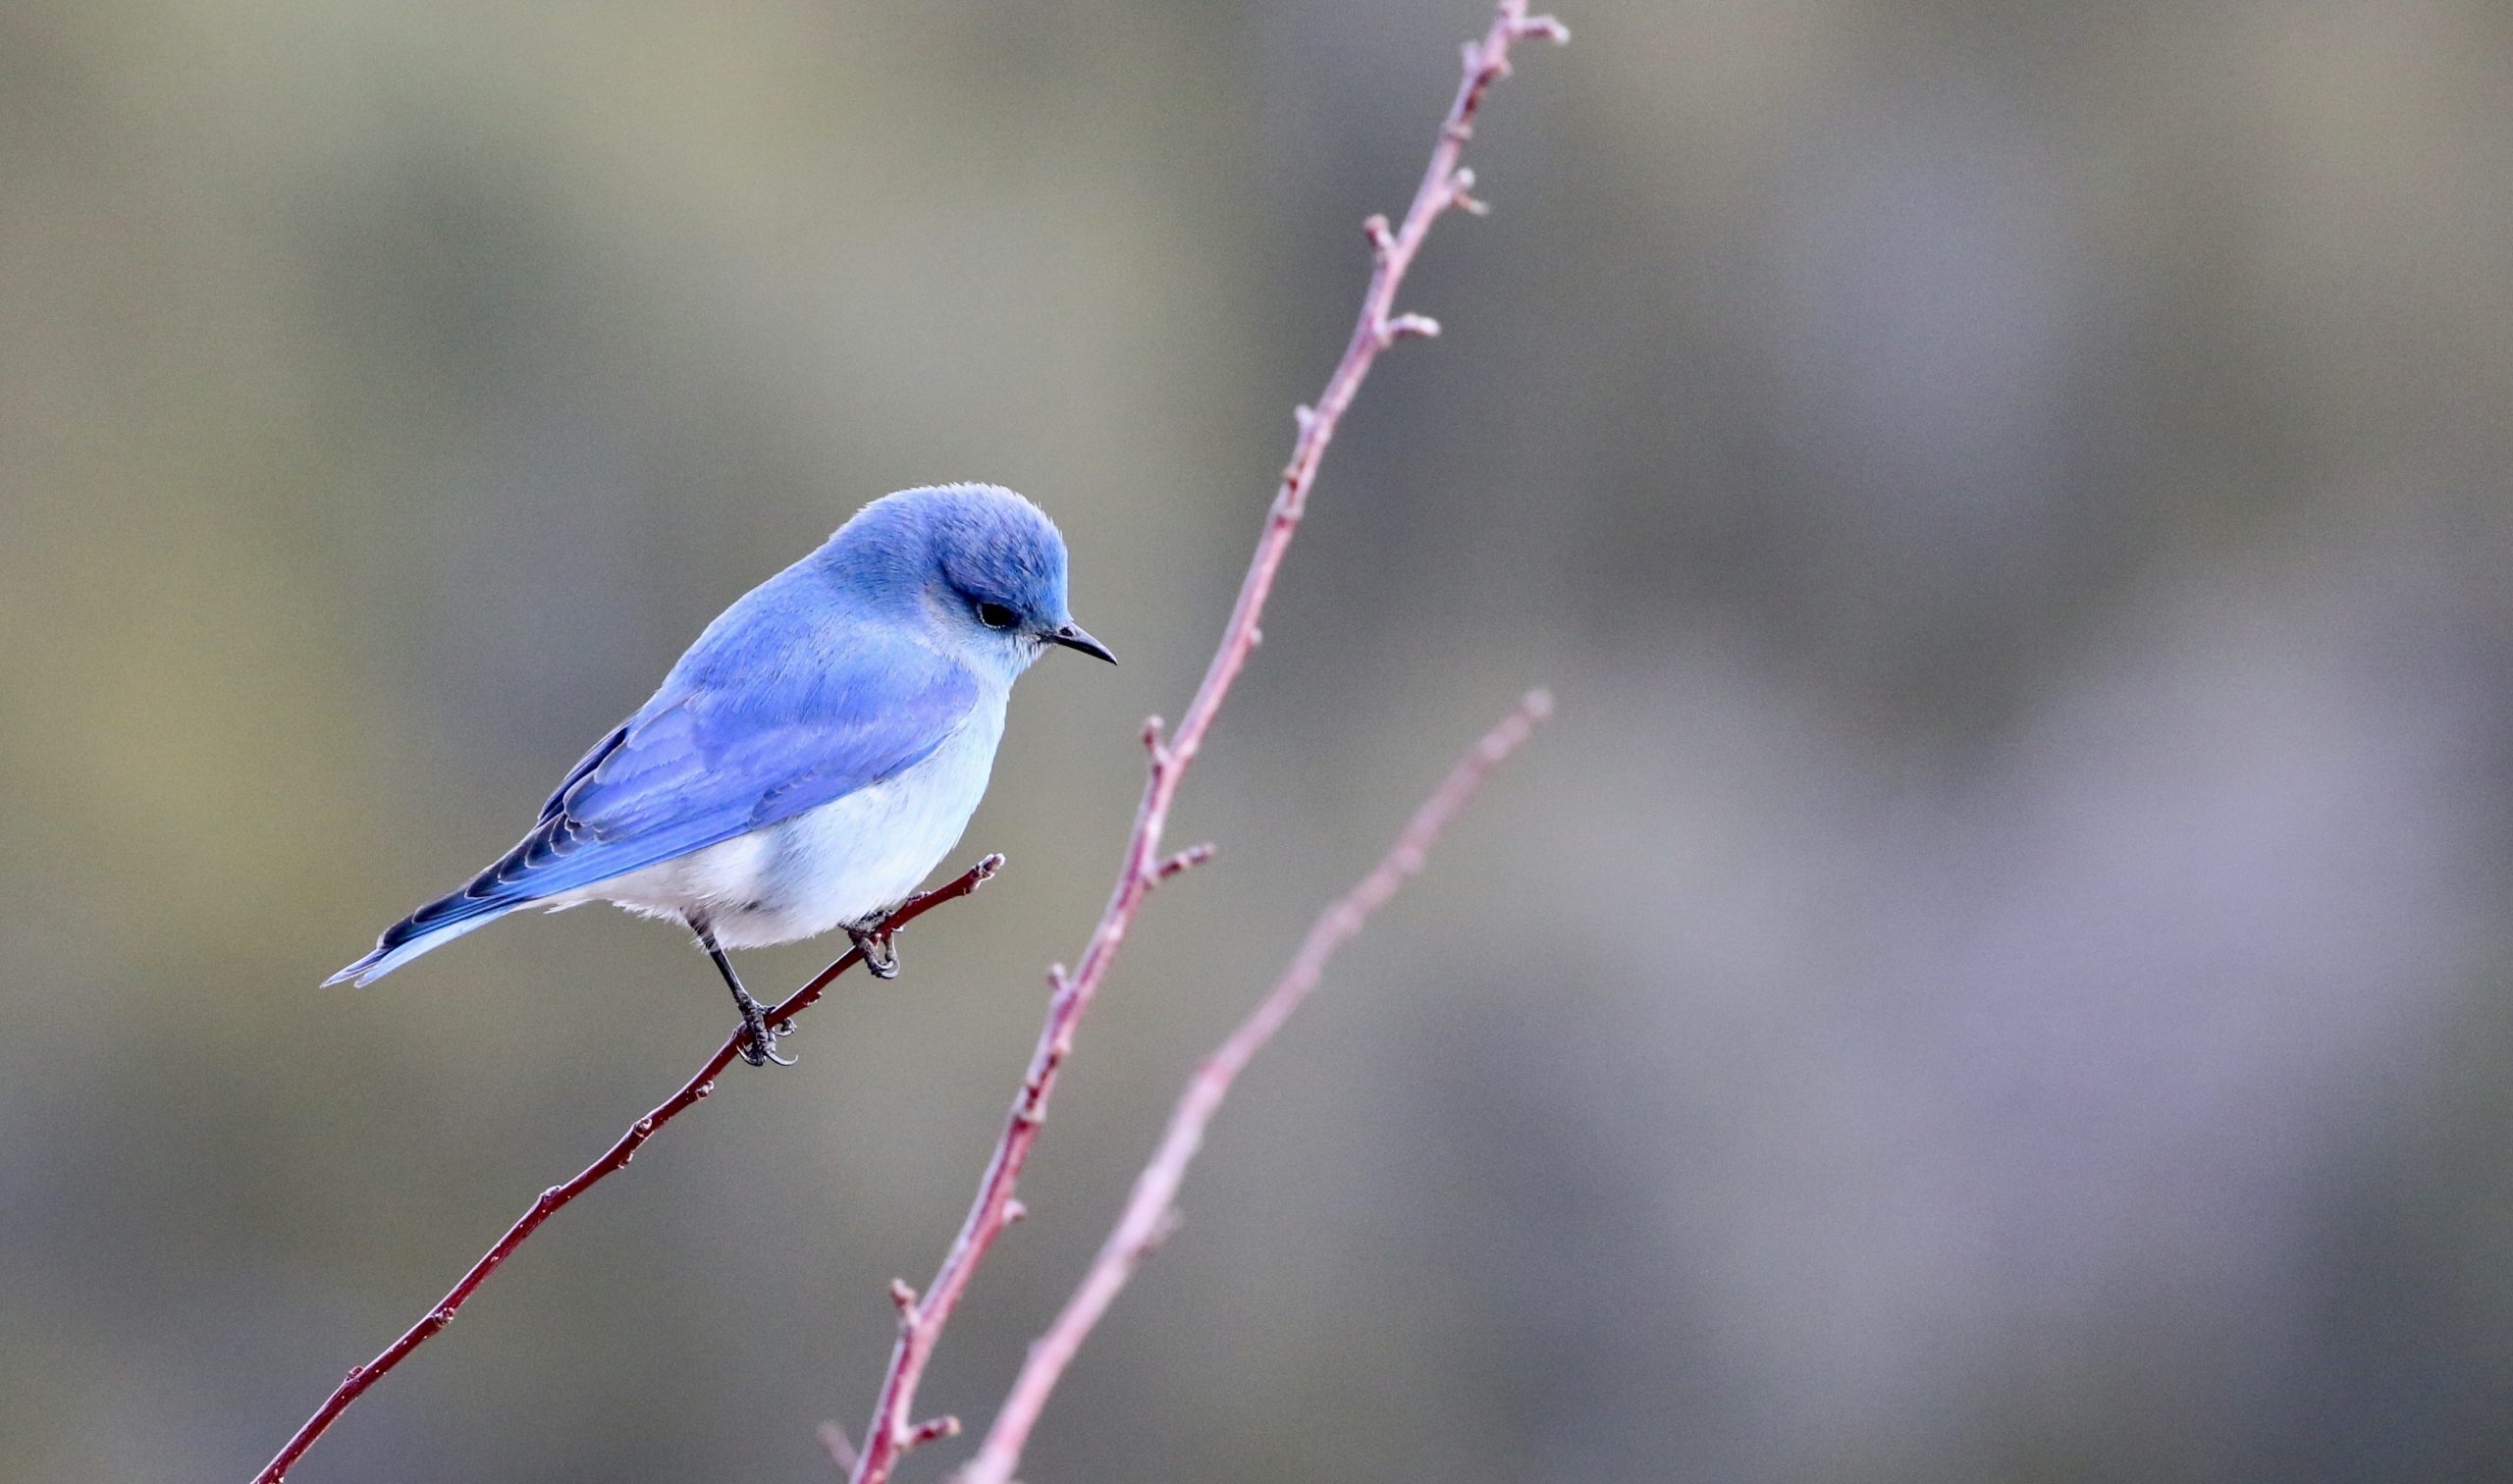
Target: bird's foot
<point>758,1041</point>
<point>881,951</point>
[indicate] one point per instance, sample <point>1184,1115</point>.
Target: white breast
<point>841,863</point>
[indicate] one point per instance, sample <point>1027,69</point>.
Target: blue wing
<point>744,734</point>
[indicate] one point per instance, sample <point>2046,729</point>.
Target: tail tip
<point>407,939</point>
<point>357,973</point>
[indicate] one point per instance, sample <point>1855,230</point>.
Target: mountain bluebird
<point>815,754</point>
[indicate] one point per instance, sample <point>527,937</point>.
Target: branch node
<point>1462,193</point>
<point>1186,860</point>
<point>1547,26</point>
<point>944,1426</point>
<point>1409,327</point>
<point>904,1298</point>
<point>1382,237</point>
<point>1304,418</point>
<point>1014,1210</point>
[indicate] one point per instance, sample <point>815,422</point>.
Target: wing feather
<point>739,738</point>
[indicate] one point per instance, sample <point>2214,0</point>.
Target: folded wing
<point>734,742</point>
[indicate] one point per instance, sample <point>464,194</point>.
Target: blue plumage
<point>815,754</point>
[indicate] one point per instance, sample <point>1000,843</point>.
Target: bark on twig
<point>614,1161</point>
<point>1444,186</point>
<point>1152,1211</point>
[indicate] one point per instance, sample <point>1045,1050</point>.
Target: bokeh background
<point>1999,972</point>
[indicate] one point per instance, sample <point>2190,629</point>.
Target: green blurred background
<point>1998,973</point>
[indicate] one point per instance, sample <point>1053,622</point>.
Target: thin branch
<point>1152,1211</point>
<point>611,1163</point>
<point>891,1432</point>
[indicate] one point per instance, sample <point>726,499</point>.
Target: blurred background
<point>1999,971</point>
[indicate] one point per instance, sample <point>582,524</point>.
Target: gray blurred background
<point>1998,973</point>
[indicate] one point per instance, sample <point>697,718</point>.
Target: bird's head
<point>984,562</point>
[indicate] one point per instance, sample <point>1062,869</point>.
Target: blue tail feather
<point>431,926</point>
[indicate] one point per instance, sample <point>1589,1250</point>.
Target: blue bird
<point>811,757</point>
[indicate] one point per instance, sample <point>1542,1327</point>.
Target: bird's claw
<point>881,952</point>
<point>758,1041</point>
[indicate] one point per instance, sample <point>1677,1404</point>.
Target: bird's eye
<point>995,615</point>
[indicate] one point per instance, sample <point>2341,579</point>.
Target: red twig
<point>1152,1211</point>
<point>1444,185</point>
<point>612,1162</point>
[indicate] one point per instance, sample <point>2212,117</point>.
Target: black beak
<point>1074,636</point>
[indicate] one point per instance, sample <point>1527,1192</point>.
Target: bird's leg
<point>881,951</point>
<point>760,1047</point>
